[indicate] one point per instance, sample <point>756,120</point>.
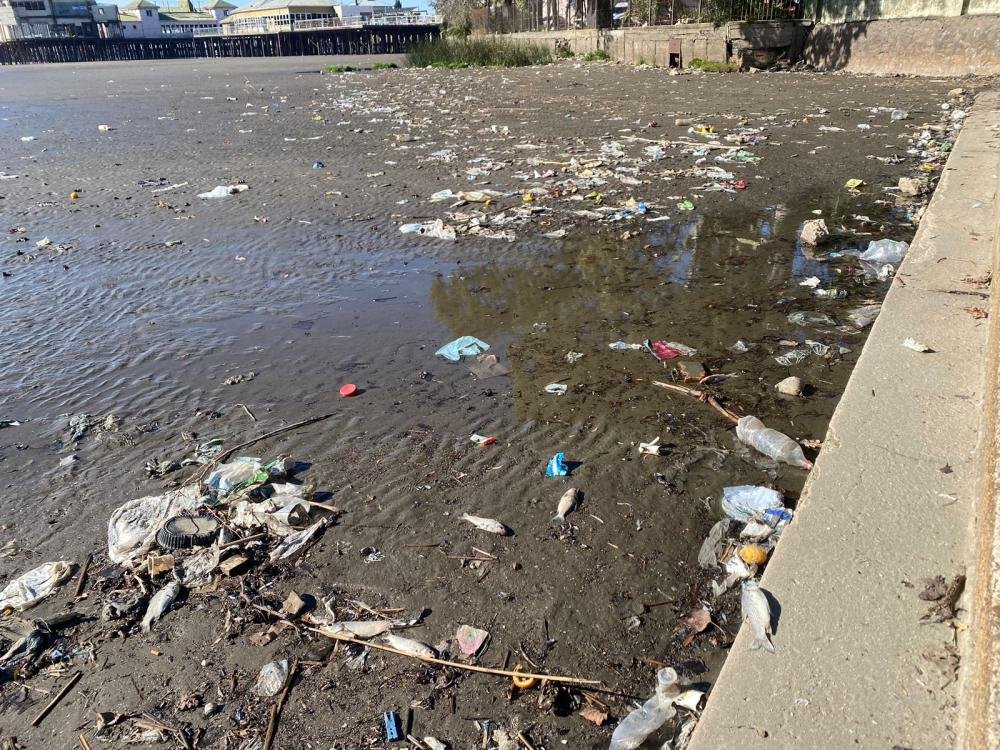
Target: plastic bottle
<point>638,725</point>
<point>831,293</point>
<point>773,444</point>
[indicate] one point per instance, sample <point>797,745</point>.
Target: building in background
<point>263,16</point>
<point>33,19</point>
<point>145,19</point>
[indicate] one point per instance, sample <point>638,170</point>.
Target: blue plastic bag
<point>466,346</point>
<point>557,466</point>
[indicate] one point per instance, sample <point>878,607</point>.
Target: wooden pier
<point>380,40</point>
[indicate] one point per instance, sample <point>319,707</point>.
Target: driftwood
<point>55,701</point>
<point>455,664</point>
<point>272,724</point>
<point>701,396</point>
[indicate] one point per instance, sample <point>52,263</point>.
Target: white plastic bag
<point>746,501</point>
<point>31,587</point>
<point>224,191</point>
<point>132,527</point>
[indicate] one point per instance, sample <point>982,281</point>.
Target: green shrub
<point>563,50</point>
<point>338,69</point>
<point>597,55</point>
<point>710,66</point>
<point>475,52</point>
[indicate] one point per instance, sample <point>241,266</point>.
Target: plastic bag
<point>747,501</point>
<point>556,466</point>
<point>28,589</point>
<point>230,476</point>
<point>465,346</point>
<point>132,527</point>
<point>437,229</point>
<point>863,316</point>
<point>806,318</point>
<point>223,191</point>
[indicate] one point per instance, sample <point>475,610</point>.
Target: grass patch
<point>710,66</point>
<point>597,55</point>
<point>563,49</point>
<point>384,66</point>
<point>339,69</point>
<point>475,52</point>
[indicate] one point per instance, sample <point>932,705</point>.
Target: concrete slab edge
<point>980,725</point>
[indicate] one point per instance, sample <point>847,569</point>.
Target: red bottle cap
<point>348,390</point>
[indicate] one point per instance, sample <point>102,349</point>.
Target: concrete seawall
<point>964,45</point>
<point>939,46</point>
<point>903,490</point>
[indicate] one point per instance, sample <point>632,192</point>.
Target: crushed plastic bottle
<point>654,713</point>
<point>831,293</point>
<point>885,251</point>
<point>773,444</point>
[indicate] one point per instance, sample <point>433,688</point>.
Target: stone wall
<point>703,41</point>
<point>966,45</point>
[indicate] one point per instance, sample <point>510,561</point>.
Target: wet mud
<point>146,299</point>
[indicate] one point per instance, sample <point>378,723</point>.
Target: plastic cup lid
<point>348,390</point>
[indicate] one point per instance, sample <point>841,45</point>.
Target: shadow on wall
<point>830,47</point>
<point>830,44</point>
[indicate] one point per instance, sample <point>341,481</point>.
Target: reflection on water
<point>705,282</point>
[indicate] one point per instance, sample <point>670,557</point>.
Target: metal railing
<point>268,26</point>
<point>403,19</point>
<point>560,15</point>
<point>328,23</point>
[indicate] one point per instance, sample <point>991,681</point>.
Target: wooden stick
<point>701,396</point>
<point>525,740</point>
<point>83,575</point>
<point>245,539</point>
<point>247,410</point>
<point>55,701</point>
<point>204,470</point>
<point>287,428</point>
<point>272,724</point>
<point>83,743</point>
<point>455,664</point>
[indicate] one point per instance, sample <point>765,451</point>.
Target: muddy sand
<point>140,300</point>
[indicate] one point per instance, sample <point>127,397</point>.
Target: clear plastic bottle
<point>638,725</point>
<point>773,444</point>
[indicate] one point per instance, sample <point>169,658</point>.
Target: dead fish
<point>757,612</point>
<point>486,524</point>
<point>363,629</point>
<point>159,604</point>
<point>409,646</point>
<point>566,503</point>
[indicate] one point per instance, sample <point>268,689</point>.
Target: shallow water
<point>326,291</point>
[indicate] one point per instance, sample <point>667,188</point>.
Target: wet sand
<point>305,280</point>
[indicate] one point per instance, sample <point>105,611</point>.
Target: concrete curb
<point>892,500</point>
